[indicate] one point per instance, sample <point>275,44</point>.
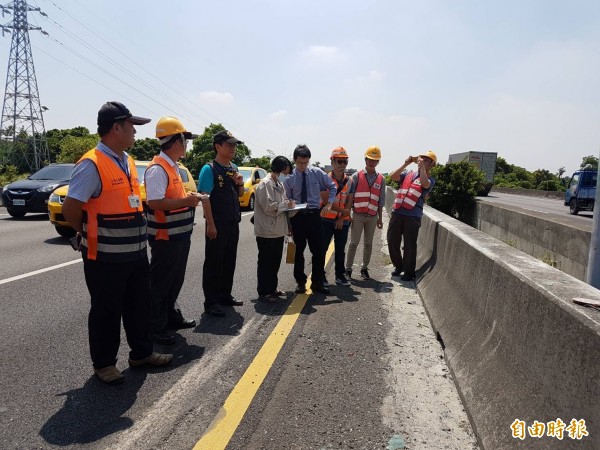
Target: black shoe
<point>320,289</point>
<point>408,277</point>
<point>364,274</point>
<point>301,288</point>
<point>164,338</point>
<point>348,274</point>
<point>397,272</point>
<point>214,310</point>
<point>231,302</point>
<point>184,323</point>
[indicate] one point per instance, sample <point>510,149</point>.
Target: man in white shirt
<point>170,213</point>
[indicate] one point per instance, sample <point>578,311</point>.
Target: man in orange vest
<point>170,212</point>
<point>369,198</point>
<point>104,207</point>
<point>336,221</point>
<point>408,211</point>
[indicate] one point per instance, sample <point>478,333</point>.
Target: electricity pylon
<point>22,131</point>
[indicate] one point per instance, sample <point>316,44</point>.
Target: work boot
<point>110,375</point>
<point>364,274</point>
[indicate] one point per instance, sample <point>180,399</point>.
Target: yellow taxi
<point>252,176</point>
<point>58,197</point>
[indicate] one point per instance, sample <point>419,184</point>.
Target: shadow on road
<point>97,410</point>
<point>93,411</point>
<point>58,240</point>
<point>230,325</point>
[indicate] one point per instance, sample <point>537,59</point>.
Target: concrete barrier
<point>564,246</point>
<point>530,192</point>
<point>516,344</point>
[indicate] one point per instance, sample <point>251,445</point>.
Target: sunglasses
<point>341,161</point>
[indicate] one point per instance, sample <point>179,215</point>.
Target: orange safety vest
<point>113,231</point>
<point>176,223</point>
<point>340,197</point>
<point>409,193</point>
<point>366,197</point>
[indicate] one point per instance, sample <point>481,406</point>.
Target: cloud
<point>278,115</point>
<point>371,78</point>
<point>217,98</point>
<point>322,56</point>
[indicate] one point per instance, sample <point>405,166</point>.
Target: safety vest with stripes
<point>176,223</point>
<point>409,193</point>
<point>113,230</point>
<point>340,197</point>
<point>366,197</point>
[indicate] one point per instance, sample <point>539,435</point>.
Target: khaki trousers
<point>361,223</point>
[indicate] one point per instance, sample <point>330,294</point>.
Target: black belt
<point>309,211</point>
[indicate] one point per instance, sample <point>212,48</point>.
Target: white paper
<point>298,206</point>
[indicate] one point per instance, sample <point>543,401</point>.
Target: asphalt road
<point>546,208</point>
<point>347,376</point>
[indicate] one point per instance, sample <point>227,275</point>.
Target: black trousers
<point>340,237</point>
<point>220,256</point>
<point>270,251</point>
<point>407,228</point>
<point>118,290</point>
<point>167,272</point>
<point>307,228</point>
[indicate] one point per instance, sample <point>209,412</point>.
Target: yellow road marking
<point>230,415</point>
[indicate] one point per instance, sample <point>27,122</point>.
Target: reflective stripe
<point>409,201</point>
<point>373,207</point>
<point>171,218</point>
<point>119,232</point>
<point>414,192</point>
<point>361,194</point>
<point>172,231</point>
<point>361,204</point>
<point>121,248</point>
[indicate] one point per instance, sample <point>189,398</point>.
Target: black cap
<point>225,136</point>
<point>112,112</point>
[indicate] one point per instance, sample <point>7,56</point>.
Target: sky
<point>519,78</point>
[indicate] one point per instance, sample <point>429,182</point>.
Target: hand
<point>238,178</point>
<point>339,223</point>
<point>379,223</point>
<point>192,199</point>
<point>211,231</point>
<point>408,160</point>
<point>203,197</point>
<point>291,204</point>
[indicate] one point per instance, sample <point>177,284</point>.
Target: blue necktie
<point>303,196</point>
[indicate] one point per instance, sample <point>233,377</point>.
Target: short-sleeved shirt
<point>85,179</point>
<point>206,179</point>
<point>157,180</point>
<point>370,180</point>
<point>417,211</point>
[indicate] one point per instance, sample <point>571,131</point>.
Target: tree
<point>560,172</point>
<point>55,137</point>
<point>74,147</point>
<point>456,185</point>
<point>262,161</point>
<point>591,160</point>
<point>144,149</point>
<point>203,151</point>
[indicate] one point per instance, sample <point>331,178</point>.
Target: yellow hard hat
<point>431,155</point>
<point>168,126</point>
<point>373,152</point>
<point>339,152</point>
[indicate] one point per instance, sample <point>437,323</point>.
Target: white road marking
<point>36,272</point>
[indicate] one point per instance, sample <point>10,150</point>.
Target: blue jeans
<point>340,237</point>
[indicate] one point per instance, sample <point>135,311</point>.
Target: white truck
<point>484,161</point>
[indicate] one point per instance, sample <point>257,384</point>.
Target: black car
<point>31,195</point>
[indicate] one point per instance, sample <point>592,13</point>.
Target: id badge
<point>134,201</point>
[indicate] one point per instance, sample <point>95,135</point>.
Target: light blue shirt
<point>206,178</point>
<point>316,181</point>
<point>85,179</point>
